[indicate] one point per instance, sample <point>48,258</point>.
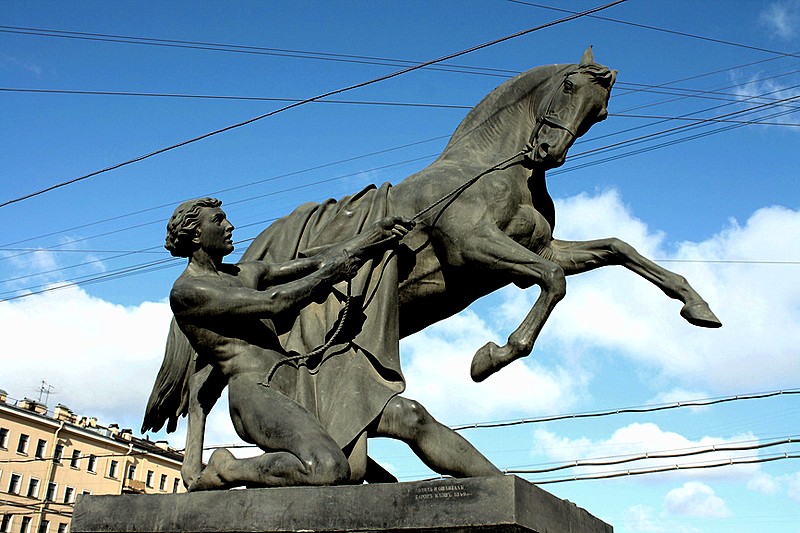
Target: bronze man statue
<point>227,311</point>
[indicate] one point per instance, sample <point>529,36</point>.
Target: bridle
<point>550,118</point>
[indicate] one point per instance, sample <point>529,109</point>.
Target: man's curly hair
<point>183,223</point>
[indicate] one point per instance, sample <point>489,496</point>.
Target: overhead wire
<point>740,446</point>
<point>663,30</point>
<point>312,99</point>
<point>248,49</point>
<point>672,468</point>
<point>648,408</point>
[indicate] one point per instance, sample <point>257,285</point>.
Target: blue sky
<point>721,209</point>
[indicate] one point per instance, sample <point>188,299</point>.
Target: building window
<point>14,483</point>
<point>175,483</point>
<point>112,468</point>
<point>44,525</point>
<point>5,525</point>
<point>41,448</point>
<point>149,479</point>
<point>74,462</point>
<point>52,490</point>
<point>3,440</point>
<point>62,527</point>
<point>58,453</point>
<point>69,495</point>
<point>25,527</point>
<point>162,484</point>
<point>131,471</point>
<point>22,445</point>
<point>91,464</point>
<point>33,488</point>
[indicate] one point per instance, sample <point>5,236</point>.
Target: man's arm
<point>195,297</point>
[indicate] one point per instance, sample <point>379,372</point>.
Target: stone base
<point>498,504</point>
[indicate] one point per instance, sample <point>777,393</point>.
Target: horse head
<point>571,104</point>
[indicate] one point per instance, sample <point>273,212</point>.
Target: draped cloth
<point>349,384</point>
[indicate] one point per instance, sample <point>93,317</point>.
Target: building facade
<point>48,460</point>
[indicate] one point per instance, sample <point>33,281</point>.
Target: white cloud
<point>637,439</point>
<point>15,62</point>
<point>763,483</point>
<point>639,518</point>
<point>793,482</point>
<point>101,357</point>
<point>436,364</point>
<point>781,19</point>
<point>696,499</point>
<point>756,302</point>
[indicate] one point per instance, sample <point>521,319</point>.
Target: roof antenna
<point>46,389</point>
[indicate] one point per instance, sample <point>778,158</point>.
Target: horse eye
<point>568,86</point>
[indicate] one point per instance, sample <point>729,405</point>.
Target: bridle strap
<point>549,117</point>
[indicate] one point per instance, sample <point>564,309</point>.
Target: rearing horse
<point>484,220</point>
<point>500,230</point>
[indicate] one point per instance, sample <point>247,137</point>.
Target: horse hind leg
<point>576,257</point>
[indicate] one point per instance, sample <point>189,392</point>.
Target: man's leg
<point>298,449</point>
<point>439,447</point>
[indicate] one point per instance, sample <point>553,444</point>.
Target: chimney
<point>126,434</point>
<point>33,405</point>
<point>64,413</point>
<point>3,396</point>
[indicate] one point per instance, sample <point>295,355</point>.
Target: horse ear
<point>588,57</point>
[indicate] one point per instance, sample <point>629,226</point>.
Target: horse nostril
<point>543,151</point>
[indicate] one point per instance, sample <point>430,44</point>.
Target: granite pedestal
<point>492,504</point>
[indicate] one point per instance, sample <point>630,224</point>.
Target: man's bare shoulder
<point>193,288</point>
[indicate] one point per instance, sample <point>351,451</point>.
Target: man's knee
<point>407,418</point>
<point>326,467</point>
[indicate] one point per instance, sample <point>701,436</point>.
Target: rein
<point>548,118</point>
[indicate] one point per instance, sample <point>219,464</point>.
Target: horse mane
<point>521,88</point>
<point>507,95</point>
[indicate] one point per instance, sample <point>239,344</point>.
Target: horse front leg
<point>500,254</point>
<point>581,256</point>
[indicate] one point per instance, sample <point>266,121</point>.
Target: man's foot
<point>212,476</point>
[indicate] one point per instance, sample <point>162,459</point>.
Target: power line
<point>246,49</point>
<point>236,187</point>
<point>648,408</point>
<point>226,97</point>
<point>663,30</point>
<point>313,99</point>
<point>664,454</point>
<point>671,468</point>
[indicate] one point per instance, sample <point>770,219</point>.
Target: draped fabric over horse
<point>348,384</point>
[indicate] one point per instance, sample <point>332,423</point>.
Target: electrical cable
<point>648,408</point>
<point>672,468</point>
<point>665,454</point>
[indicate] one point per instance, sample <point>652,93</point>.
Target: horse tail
<point>169,398</point>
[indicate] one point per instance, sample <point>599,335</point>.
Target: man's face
<point>215,233</point>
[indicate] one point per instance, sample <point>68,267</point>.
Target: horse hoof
<point>699,314</point>
<point>483,365</point>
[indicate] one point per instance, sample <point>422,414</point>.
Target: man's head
<point>184,227</point>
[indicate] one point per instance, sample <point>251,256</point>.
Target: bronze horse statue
<point>484,220</point>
